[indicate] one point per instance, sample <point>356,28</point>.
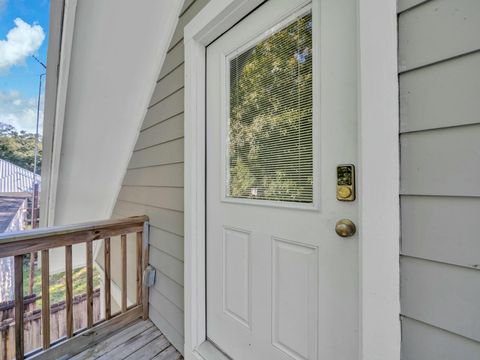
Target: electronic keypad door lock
<point>346,182</point>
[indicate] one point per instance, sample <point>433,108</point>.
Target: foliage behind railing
<point>19,244</point>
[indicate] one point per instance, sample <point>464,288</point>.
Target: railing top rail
<point>24,242</point>
<point>20,243</point>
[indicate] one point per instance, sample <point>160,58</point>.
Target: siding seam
<point>173,256</point>
<point>166,97</point>
<point>448,127</point>
<point>174,46</point>
<point>167,231</point>
<point>166,298</point>
<point>439,328</point>
<point>440,195</point>
<point>171,71</point>
<point>158,123</point>
<point>178,42</point>
<point>169,277</point>
<point>441,61</point>
<point>413,7</point>
<point>152,206</point>
<point>186,9</point>
<point>160,143</point>
<point>442,262</point>
<point>153,186</point>
<point>159,313</point>
<point>169,255</point>
<point>150,166</point>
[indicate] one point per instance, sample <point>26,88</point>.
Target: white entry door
<point>281,116</point>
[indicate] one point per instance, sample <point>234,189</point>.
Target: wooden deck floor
<point>139,341</point>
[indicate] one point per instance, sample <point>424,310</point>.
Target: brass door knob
<point>345,228</point>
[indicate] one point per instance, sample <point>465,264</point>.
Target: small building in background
<point>13,213</point>
<point>16,195</point>
<point>15,179</point>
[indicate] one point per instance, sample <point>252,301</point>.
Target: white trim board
<point>379,179</point>
<point>378,174</point>
<point>62,25</point>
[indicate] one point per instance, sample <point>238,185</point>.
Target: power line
<point>41,63</point>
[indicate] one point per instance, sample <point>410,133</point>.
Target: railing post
<point>145,239</point>
<point>42,240</point>
<point>89,247</point>
<point>69,290</point>
<point>19,308</point>
<point>123,246</point>
<point>139,267</point>
<point>108,276</point>
<point>46,298</point>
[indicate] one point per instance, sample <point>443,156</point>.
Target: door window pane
<point>270,146</point>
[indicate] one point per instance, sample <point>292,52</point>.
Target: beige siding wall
<point>439,62</point>
<point>153,184</point>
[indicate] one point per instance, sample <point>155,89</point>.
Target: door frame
<point>378,174</point>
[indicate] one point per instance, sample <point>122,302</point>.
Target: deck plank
<point>132,345</point>
<point>141,340</point>
<point>150,350</point>
<point>168,354</point>
<point>114,341</point>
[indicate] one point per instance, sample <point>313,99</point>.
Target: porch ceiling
<point>117,51</point>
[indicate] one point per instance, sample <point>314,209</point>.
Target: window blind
<point>270,146</point>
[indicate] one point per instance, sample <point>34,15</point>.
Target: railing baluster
<point>124,271</point>
<point>69,292</point>
<point>145,255</point>
<point>89,284</point>
<point>139,267</point>
<point>108,296</point>
<point>19,308</point>
<point>42,240</point>
<point>46,298</point>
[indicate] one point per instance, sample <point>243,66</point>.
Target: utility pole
<point>34,212</point>
<point>35,164</point>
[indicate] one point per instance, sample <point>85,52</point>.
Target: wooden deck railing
<point>42,240</point>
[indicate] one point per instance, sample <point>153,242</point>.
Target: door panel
<point>294,298</point>
<point>281,115</point>
<point>236,275</point>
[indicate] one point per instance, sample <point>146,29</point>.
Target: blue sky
<point>19,72</point>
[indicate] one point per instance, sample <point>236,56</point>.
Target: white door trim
<point>378,173</point>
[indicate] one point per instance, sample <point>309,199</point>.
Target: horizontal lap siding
<point>441,95</point>
<point>161,175</point>
<point>167,108</point>
<point>173,60</point>
<point>166,153</point>
<point>441,228</point>
<point>421,341</point>
<point>442,295</point>
<point>441,162</point>
<point>408,4</point>
<point>438,30</point>
<point>439,79</point>
<point>153,185</point>
<point>165,131</point>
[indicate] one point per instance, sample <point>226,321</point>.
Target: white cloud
<point>19,112</point>
<point>22,41</point>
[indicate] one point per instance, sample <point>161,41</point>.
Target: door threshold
<point>208,351</point>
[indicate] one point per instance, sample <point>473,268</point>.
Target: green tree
<point>270,129</point>
<point>19,147</point>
